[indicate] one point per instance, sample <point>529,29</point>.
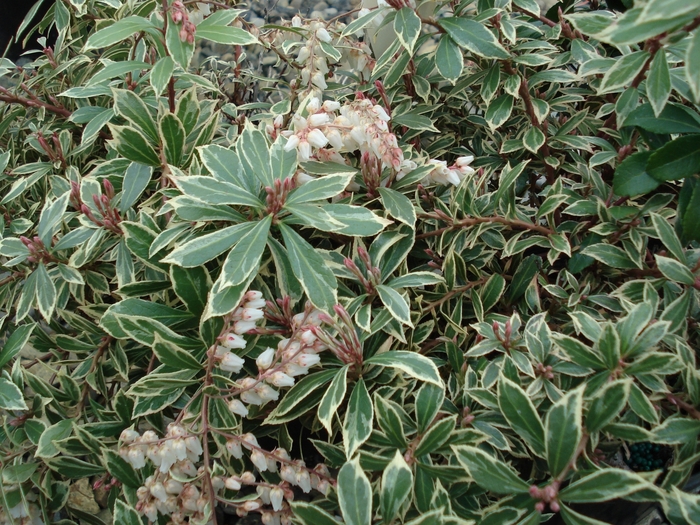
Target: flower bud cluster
<point>109,217</point>
<point>312,58</point>
<point>175,455</point>
<point>278,367</point>
<point>37,250</point>
<point>444,174</point>
<point>241,321</point>
<point>292,472</point>
<point>360,125</point>
<point>179,15</point>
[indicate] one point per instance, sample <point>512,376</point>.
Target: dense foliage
<point>445,276</point>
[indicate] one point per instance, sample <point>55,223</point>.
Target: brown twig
<point>472,221</point>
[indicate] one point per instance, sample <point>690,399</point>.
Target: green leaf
<point>489,472</point>
<point>354,494</point>
<point>676,431</point>
<point>414,121</point>
<point>212,191</point>
<point>120,30</point>
<point>640,405</point>
<point>129,105</point>
<point>208,29</point>
<point>225,165</point>
<point>603,485</point>
<point>692,61</point>
<point>191,285</point>
<point>254,153</point>
<point>474,37</point>
<point>389,421</point>
<point>673,119</point>
<point>311,514</point>
<point>315,277</point>
<point>606,405</point>
<point>333,398</point>
<point>45,292</point>
<point>399,206</point>
<point>623,71</point>
<point>668,236</point>
<point>609,255</point>
<point>675,160</point>
<point>529,5</point>
<point>359,416</point>
<point>688,223</point>
<point>631,177</point>
<point>564,431</point>
<point>436,436</point>
<point>173,356</point>
<point>411,363</point>
<point>52,217</point>
<point>125,514</point>
<point>172,137</point>
<point>521,413</point>
<point>71,467</point>
<point>320,189</point>
<point>397,481</point>
<point>57,432</point>
<point>534,139</point>
<point>407,27</point>
<point>658,82</point>
<point>138,239</point>
<point>120,469</point>
<point>415,279</point>
<point>136,179</point>
<point>161,73</point>
<point>283,163</point>
<point>298,395</point>
<point>356,220</point>
<point>11,397</point>
<point>449,59</point>
<point>499,111</point>
<point>14,344</point>
<point>205,248</point>
<point>395,303</point>
<point>428,402</point>
<point>674,270</point>
<point>133,145</point>
<point>244,258</point>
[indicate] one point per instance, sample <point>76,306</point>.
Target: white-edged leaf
<point>411,363</point>
<point>397,482</point>
<point>395,303</point>
<point>120,30</point>
<point>354,494</point>
<point>333,398</point>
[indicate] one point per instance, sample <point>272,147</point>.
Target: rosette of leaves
<point>562,326</point>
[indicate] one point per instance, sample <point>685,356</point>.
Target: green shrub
<point>453,283</point>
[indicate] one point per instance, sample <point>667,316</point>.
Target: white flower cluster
<point>293,357</point>
<point>444,174</point>
<point>292,473</point>
<point>360,125</point>
<point>311,56</point>
<point>24,513</point>
<point>242,320</point>
<point>175,455</point>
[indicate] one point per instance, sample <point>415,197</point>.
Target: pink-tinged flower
<point>234,341</point>
<point>266,392</point>
<point>276,498</point>
<point>243,327</point>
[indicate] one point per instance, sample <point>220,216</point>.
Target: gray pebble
<point>320,6</point>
